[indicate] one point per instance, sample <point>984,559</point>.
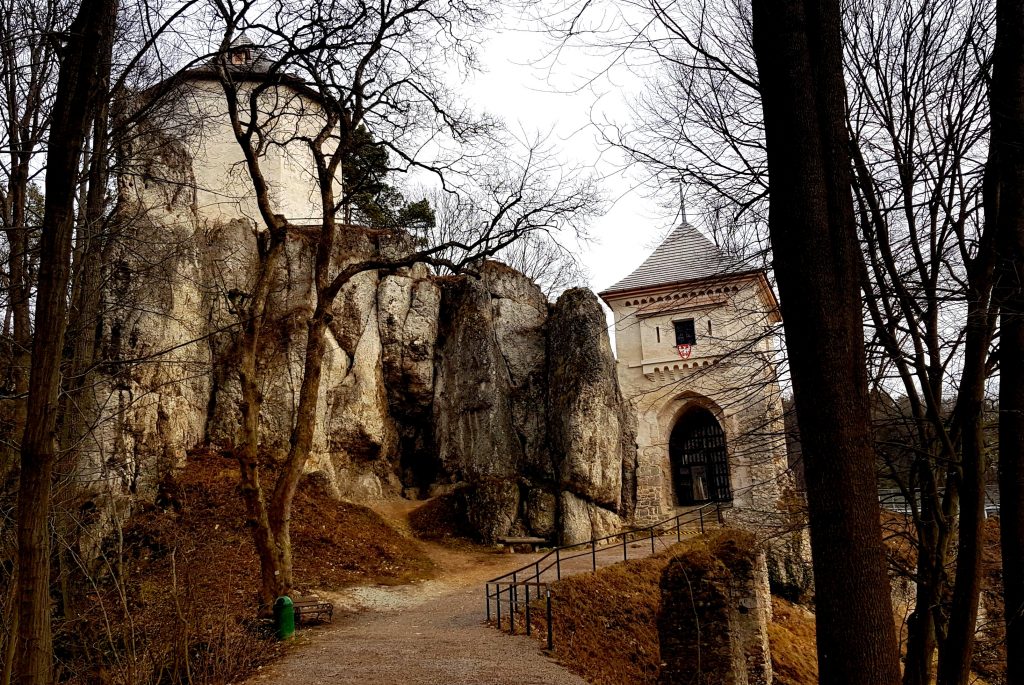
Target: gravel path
<point>429,633</point>
<point>424,633</point>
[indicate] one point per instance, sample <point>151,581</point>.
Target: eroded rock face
<point>151,411</point>
<point>462,382</point>
<point>428,384</point>
<point>512,415</point>
<point>519,312</point>
<point>408,305</point>
<point>470,383</point>
<point>473,423</point>
<point>581,520</point>
<point>592,431</point>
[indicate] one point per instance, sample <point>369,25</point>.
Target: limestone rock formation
<point>361,433</point>
<point>519,312</point>
<point>409,304</point>
<point>150,396</point>
<point>527,419</point>
<point>591,426</point>
<point>430,383</point>
<point>472,412</point>
<point>469,383</point>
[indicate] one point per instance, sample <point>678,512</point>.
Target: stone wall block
<point>713,625</point>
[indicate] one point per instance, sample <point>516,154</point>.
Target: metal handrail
<point>530,575</point>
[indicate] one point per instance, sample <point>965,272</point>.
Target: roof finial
<point>682,200</point>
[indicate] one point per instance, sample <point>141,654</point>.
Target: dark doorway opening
<point>700,462</point>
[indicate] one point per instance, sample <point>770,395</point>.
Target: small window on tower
<point>657,332</point>
<point>243,56</point>
<point>685,333</point>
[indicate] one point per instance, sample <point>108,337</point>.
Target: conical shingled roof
<point>685,255</point>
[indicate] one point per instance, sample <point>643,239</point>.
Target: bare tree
<point>88,43</point>
<point>321,79</point>
<point>927,283</point>
<point>539,252</point>
<point>28,60</point>
<point>916,81</point>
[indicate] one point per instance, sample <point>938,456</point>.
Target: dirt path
<point>425,633</point>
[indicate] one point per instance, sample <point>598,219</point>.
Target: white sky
<point>518,92</point>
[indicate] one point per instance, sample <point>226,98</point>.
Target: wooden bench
<point>534,543</point>
<point>309,609</point>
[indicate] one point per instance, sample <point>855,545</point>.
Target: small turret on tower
<point>242,51</point>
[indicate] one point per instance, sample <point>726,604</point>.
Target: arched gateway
<point>699,460</point>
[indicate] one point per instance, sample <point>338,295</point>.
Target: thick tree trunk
<point>301,441</point>
<point>968,480</point>
<point>247,455</point>
<point>922,629</point>
<point>1007,162</point>
<point>247,451</point>
<point>89,39</point>
<point>799,57</point>
<point>86,289</point>
<point>78,410</point>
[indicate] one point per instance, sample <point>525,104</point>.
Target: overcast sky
<point>527,94</point>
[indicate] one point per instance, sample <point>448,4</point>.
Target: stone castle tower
<point>696,361</point>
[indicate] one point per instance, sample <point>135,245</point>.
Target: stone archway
<point>699,459</point>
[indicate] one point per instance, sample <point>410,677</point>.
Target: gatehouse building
<point>696,357</point>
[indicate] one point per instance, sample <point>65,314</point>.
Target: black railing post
<point>487,592</point>
<point>625,550</point>
<point>652,539</point>
<point>527,608</point>
<point>512,605</point>
<point>551,641</point>
<point>679,535</point>
<point>701,512</point>
<point>497,596</point>
<point>558,564</point>
<point>536,570</point>
<point>593,552</point>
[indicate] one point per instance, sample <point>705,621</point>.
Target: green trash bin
<point>284,618</point>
